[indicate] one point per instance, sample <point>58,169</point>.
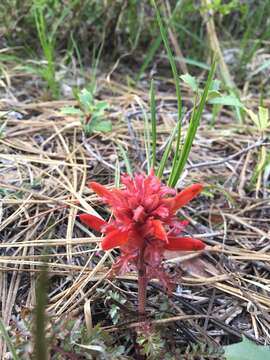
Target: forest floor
<point>46,161</point>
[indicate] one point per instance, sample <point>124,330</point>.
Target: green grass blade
<point>117,174</point>
<point>153,124</point>
<point>47,42</point>
<point>193,127</point>
<point>166,153</point>
<point>40,342</point>
<point>196,63</point>
<point>177,151</point>
<point>156,44</point>
<point>171,60</point>
<point>126,160</point>
<point>147,136</point>
<point>8,341</point>
<point>176,81</point>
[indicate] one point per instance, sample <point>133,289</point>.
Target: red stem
<point>142,283</point>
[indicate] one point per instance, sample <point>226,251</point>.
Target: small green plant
<point>48,47</point>
<point>98,345</point>
<point>215,97</point>
<point>47,39</point>
<point>151,344</point>
<point>115,311</point>
<point>91,112</point>
<point>203,351</point>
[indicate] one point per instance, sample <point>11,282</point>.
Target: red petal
<point>100,189</point>
<point>184,243</point>
<point>139,214</point>
<point>113,239</point>
<point>158,230</point>
<point>92,221</point>
<point>185,196</point>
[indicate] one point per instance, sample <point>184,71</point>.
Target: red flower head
<point>144,223</point>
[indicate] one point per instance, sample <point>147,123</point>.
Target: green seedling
<point>91,113</point>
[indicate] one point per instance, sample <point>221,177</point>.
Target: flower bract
<point>144,223</point>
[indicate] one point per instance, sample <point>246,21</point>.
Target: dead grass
<point>45,164</point>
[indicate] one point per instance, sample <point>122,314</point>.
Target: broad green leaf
<point>215,86</point>
<point>103,125</point>
<point>88,128</point>
<point>70,110</point>
<point>190,81</point>
<point>213,94</point>
<point>227,100</point>
<point>85,99</point>
<point>101,105</point>
<point>247,350</point>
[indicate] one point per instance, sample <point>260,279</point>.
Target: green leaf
<point>253,117</point>
<point>246,350</point>
<point>153,48</point>
<point>196,63</point>
<point>215,86</point>
<point>126,160</point>
<point>213,94</point>
<point>85,99</point>
<point>190,81</point>
<point>87,128</point>
<point>70,110</point>
<point>167,151</point>
<point>169,52</point>
<point>176,77</point>
<point>182,157</point>
<point>263,118</point>
<point>103,125</point>
<point>153,123</point>
<point>101,105</point>
<point>227,100</point>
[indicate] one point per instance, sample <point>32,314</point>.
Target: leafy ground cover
<point>49,150</point>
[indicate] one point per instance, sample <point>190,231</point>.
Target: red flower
<point>144,223</point>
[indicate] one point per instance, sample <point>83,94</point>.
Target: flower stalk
<point>142,284</point>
